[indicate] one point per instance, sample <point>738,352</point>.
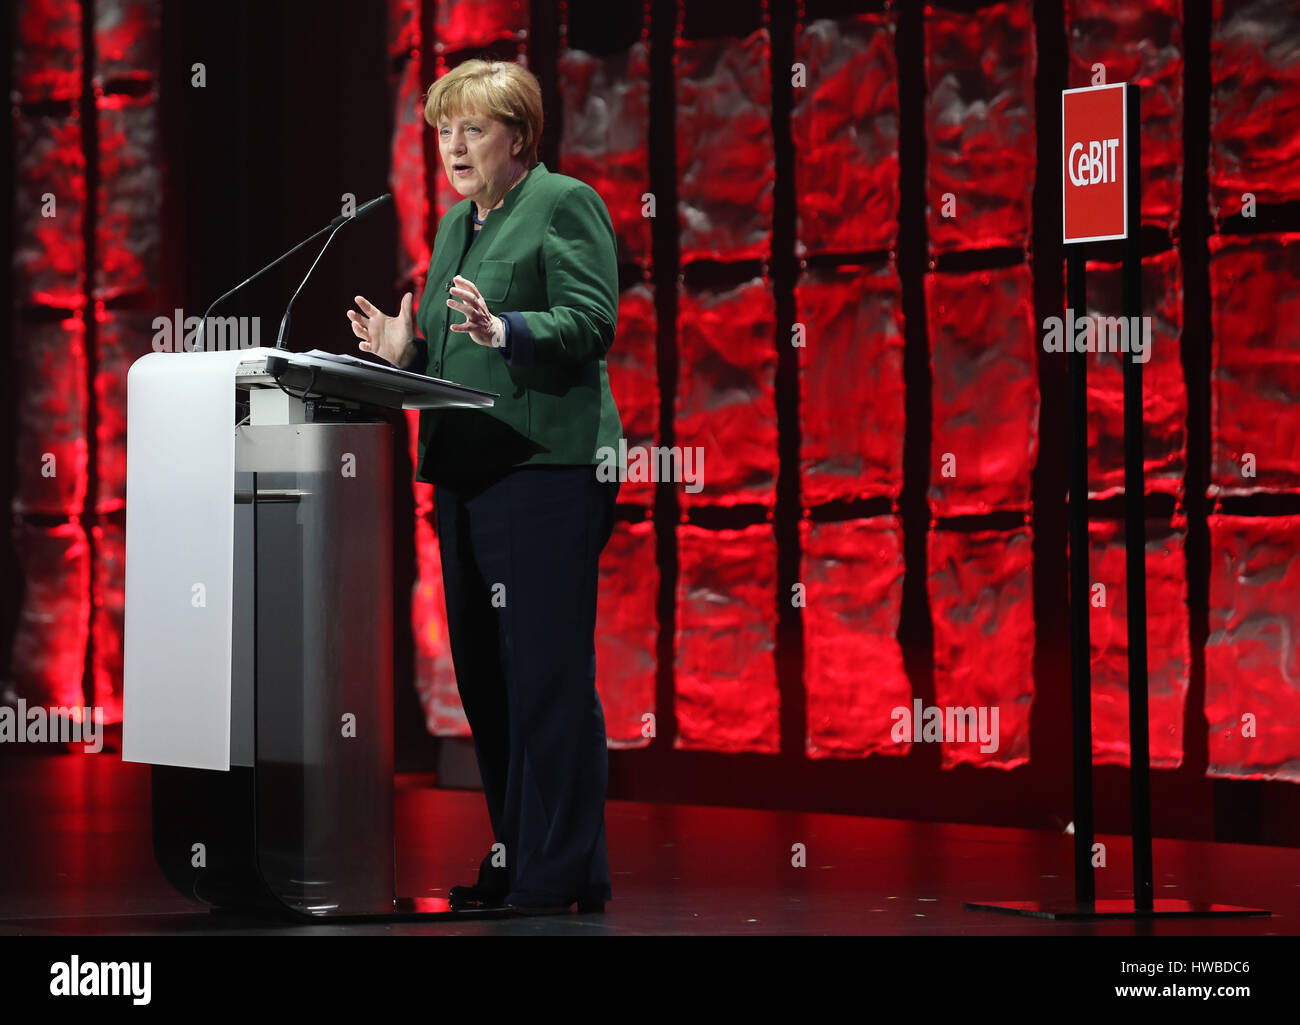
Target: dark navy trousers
<point>519,567</point>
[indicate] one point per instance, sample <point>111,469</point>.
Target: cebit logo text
<point>1095,165</point>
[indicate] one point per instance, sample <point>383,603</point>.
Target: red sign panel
<point>1093,183</point>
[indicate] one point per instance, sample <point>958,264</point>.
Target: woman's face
<point>479,157</point>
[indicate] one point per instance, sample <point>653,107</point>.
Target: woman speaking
<point>528,261</point>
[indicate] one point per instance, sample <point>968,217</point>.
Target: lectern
<point>258,674</point>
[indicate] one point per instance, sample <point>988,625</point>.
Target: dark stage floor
<point>76,860</point>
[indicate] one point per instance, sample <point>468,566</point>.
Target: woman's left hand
<point>482,326</point>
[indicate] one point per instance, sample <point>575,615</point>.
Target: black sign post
<point>1086,905</point>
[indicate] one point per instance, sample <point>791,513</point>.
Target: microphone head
<point>378,201</point>
<point>362,210</point>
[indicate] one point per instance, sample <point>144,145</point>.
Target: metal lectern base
<point>1163,908</point>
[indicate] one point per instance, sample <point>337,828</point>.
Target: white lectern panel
<point>180,524</point>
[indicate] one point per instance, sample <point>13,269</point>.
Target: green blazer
<point>546,263</point>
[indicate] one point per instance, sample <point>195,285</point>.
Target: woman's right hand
<point>389,338</point>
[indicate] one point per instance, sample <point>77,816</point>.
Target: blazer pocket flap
<point>493,279</point>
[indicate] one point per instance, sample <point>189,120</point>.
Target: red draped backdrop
<point>795,384</point>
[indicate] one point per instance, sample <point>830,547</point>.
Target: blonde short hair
<point>501,89</point>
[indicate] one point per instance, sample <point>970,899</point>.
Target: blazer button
<point>437,368</point>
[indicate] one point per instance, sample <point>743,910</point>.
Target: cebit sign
<point>1095,187</point>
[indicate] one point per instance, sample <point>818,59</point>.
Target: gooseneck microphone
<point>333,226</point>
<point>336,225</point>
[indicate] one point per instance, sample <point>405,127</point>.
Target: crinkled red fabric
<point>727,697</point>
<point>853,664</point>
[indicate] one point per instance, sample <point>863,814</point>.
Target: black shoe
<point>474,898</point>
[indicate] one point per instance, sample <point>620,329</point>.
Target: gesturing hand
<point>482,326</point>
<point>389,338</point>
